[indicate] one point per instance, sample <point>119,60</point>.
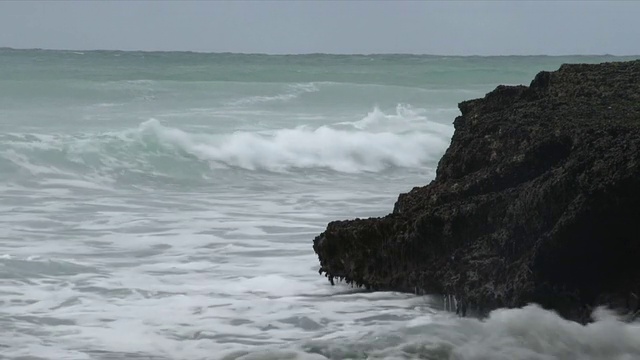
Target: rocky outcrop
<point>537,199</point>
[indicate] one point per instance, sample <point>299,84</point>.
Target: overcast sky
<point>446,28</point>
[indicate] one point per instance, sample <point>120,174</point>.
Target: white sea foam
<point>374,143</point>
<point>304,147</point>
<point>23,161</point>
<point>169,240</point>
<point>405,118</point>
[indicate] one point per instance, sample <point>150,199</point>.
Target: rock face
<point>537,199</point>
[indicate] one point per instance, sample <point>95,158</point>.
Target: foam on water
<point>163,206</point>
<point>204,280</point>
<point>526,333</point>
<point>375,143</point>
<point>302,147</point>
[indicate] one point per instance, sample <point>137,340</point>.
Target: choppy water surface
<point>163,206</point>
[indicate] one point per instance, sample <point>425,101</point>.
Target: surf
<point>374,143</point>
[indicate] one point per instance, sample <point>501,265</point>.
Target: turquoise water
<point>163,206</point>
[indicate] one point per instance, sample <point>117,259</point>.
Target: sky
<point>339,27</point>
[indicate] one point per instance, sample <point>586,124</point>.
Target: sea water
<point>163,206</point>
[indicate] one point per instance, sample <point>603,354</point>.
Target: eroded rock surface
<point>537,199</point>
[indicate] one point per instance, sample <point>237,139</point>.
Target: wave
<point>405,118</point>
<point>293,91</point>
<point>302,147</point>
<point>375,143</point>
<point>529,333</point>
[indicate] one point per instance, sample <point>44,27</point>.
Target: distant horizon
<point>305,53</point>
<point>439,28</point>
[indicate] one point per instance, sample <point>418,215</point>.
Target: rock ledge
<point>537,199</point>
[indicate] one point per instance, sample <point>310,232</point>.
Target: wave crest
<point>302,147</point>
<point>524,333</point>
<point>373,144</point>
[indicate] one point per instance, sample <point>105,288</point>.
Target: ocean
<point>162,205</point>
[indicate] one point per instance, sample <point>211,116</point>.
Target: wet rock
<point>537,199</point>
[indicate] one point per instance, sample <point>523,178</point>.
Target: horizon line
<point>301,53</point>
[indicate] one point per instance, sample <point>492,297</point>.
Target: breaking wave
<point>528,333</point>
<point>405,118</point>
<point>373,144</point>
<point>303,147</point>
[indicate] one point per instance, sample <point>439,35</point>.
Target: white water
<point>174,220</point>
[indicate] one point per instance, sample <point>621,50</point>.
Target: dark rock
<point>537,199</point>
